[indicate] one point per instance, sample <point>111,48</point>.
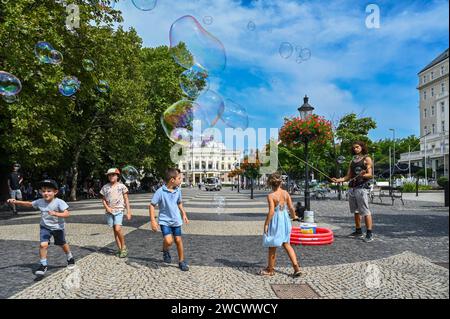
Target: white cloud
<point>342,49</point>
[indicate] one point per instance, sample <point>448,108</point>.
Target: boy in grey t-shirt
<point>53,212</point>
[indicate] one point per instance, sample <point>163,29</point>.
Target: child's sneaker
<point>166,257</point>
<point>123,253</point>
<point>71,263</point>
<point>183,266</point>
<point>41,270</point>
<point>368,238</point>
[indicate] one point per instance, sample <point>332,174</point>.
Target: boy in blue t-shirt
<point>53,212</point>
<point>171,215</point>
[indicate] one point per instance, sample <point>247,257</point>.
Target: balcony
<point>441,95</point>
<point>419,155</point>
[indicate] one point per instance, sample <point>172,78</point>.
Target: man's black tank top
<point>356,168</point>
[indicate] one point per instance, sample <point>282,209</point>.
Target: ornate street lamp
<point>306,110</point>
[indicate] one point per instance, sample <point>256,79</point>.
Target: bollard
<point>446,194</point>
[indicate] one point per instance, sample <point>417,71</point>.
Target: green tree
<point>162,77</point>
<point>350,129</point>
<point>46,131</point>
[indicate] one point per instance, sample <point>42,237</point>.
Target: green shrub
<point>442,181</point>
<point>411,188</point>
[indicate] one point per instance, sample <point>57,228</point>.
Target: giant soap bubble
<point>191,44</point>
<point>145,5</point>
<point>235,115</point>
<point>193,81</point>
<point>211,108</point>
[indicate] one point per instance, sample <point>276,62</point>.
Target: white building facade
<point>208,159</point>
<point>434,117</point>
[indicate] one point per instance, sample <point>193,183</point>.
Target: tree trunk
<point>74,168</point>
<point>251,185</point>
<point>76,158</point>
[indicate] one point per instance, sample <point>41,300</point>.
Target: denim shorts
<point>169,230</point>
<point>46,234</point>
<point>15,194</point>
<point>115,218</point>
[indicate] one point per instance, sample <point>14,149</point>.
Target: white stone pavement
<point>101,275</point>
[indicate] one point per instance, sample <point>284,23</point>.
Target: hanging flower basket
<point>296,131</point>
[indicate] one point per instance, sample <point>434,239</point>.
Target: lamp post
<point>306,110</point>
<point>392,169</point>
<point>340,160</point>
<point>236,166</point>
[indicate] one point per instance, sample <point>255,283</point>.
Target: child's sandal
<point>266,272</point>
<point>297,271</point>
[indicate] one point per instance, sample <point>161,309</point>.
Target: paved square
<point>224,249</point>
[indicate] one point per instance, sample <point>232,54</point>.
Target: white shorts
<point>358,198</point>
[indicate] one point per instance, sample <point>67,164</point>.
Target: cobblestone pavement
<point>408,259</point>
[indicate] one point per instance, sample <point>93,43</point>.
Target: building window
<point>432,75</point>
<point>442,87</point>
<point>424,80</point>
<point>425,129</point>
<point>425,113</point>
<point>433,128</point>
<point>197,166</point>
<point>184,167</point>
<point>442,70</point>
<point>443,126</point>
<point>443,107</point>
<point>424,95</point>
<point>432,91</point>
<point>223,166</point>
<point>432,110</point>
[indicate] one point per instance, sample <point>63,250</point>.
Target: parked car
<point>213,184</point>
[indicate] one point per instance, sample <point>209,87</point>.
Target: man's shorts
<point>15,194</point>
<point>46,234</point>
<point>115,218</point>
<point>358,199</point>
<point>169,230</point>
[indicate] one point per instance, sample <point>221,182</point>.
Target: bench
<point>382,189</point>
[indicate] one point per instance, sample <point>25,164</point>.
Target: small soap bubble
<point>286,50</point>
<point>9,84</point>
<point>69,86</point>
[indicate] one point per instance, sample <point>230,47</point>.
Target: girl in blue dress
<point>277,228</point>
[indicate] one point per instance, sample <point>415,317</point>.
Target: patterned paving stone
<point>225,253</point>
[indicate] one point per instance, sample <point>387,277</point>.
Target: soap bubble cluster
<point>201,54</point>
<point>288,50</point>
<point>45,53</point>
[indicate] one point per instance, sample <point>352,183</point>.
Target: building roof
<point>440,58</point>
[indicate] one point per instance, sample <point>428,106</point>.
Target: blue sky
<point>372,72</point>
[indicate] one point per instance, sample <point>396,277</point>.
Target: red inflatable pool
<point>323,236</point>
